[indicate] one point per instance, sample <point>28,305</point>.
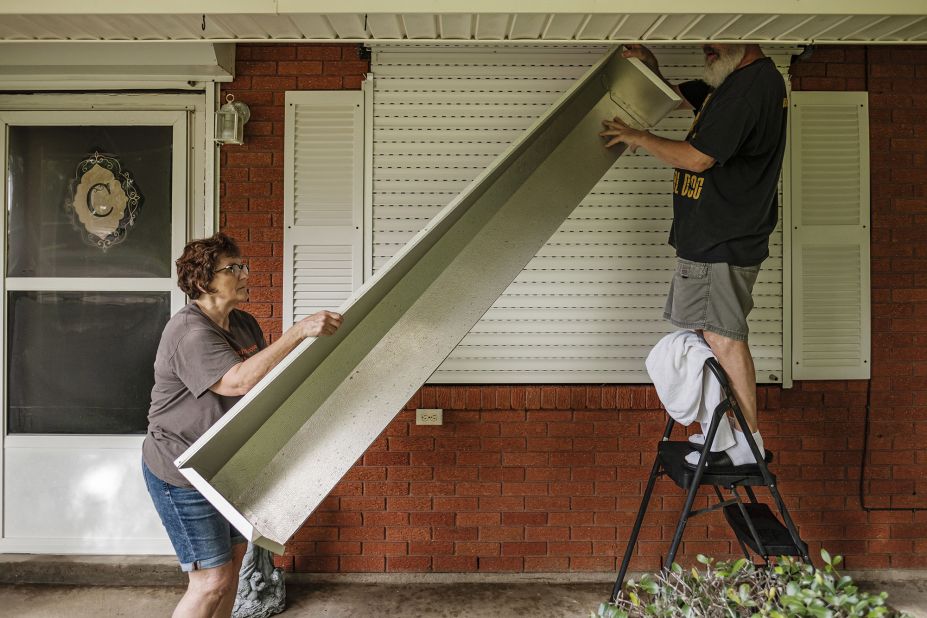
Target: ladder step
<point>672,456</point>
<point>774,535</point>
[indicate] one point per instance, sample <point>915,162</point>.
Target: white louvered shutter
<point>830,235</point>
<point>323,204</point>
<point>589,306</point>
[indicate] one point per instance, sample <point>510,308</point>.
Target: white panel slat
<point>830,187</point>
<point>441,116</point>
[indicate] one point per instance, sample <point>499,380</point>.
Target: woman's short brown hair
<point>196,266</point>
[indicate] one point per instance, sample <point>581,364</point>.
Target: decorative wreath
<point>104,201</point>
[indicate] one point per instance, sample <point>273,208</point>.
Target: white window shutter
<point>830,235</point>
<point>323,203</point>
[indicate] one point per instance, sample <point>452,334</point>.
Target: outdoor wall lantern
<point>230,121</point>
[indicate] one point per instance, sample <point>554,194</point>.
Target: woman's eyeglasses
<point>238,270</point>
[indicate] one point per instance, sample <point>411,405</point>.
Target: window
<point>91,229</point>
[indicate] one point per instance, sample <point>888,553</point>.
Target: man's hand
<point>618,132</point>
<point>319,324</point>
<point>643,54</point>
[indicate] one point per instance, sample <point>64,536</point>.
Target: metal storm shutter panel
<point>589,306</point>
<point>830,250</point>
<point>323,203</point>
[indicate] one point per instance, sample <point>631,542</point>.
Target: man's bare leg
<point>735,358</point>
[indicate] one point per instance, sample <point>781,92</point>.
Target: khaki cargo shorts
<point>716,297</point>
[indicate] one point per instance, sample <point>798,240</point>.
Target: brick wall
<point>548,478</point>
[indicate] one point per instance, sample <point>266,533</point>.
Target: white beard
<point>728,59</point>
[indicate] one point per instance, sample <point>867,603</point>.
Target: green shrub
<point>787,589</point>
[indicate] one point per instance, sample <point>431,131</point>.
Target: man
<point>724,204</point>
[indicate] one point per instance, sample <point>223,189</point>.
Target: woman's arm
<point>242,377</point>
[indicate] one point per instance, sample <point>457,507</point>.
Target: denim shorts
<point>201,536</point>
<point>716,297</point>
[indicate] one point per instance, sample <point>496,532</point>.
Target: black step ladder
<point>754,524</point>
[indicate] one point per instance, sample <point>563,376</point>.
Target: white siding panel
<point>589,306</point>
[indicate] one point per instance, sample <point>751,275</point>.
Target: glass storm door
<point>94,206</point>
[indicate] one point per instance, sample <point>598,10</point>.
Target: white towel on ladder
<point>689,392</point>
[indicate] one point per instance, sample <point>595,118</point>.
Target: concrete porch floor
<point>351,599</point>
<point>46,586</point>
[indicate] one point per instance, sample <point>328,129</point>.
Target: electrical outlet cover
<point>428,416</point>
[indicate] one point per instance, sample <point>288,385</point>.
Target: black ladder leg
<point>771,484</point>
<point>645,502</point>
<point>750,526</point>
<point>787,519</point>
<point>740,542</point>
<point>693,487</point>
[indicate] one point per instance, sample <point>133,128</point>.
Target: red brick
<point>454,564</point>
<point>431,519</point>
<point>386,459</point>
<point>408,564</point>
<point>319,82</point>
<point>338,548</point>
<point>315,564</point>
<point>546,564</point>
<point>431,548</point>
<point>265,82</point>
<point>501,564</point>
<point>472,548</point>
<point>592,533</point>
<point>301,67</point>
<point>320,52</point>
<point>573,518</point>
<point>401,503</point>
<point>456,504</point>
<point>546,474</point>
<point>593,563</point>
<point>270,52</point>
<point>525,489</point>
<point>371,548</point>
<point>502,533</point>
<point>479,519</point>
<point>524,549</point>
<point>362,564</point>
<point>386,519</point>
<point>255,67</point>
<point>547,533</point>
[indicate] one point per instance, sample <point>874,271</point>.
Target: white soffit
<point>182,65</point>
<point>580,21</point>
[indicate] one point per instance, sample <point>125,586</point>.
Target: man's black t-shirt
<point>727,212</point>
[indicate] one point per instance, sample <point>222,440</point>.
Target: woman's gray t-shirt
<point>194,354</point>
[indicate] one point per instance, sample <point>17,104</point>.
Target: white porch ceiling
<point>544,21</point>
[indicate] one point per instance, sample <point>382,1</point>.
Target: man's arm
<point>682,155</point>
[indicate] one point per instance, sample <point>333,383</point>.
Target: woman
<point>210,355</point>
